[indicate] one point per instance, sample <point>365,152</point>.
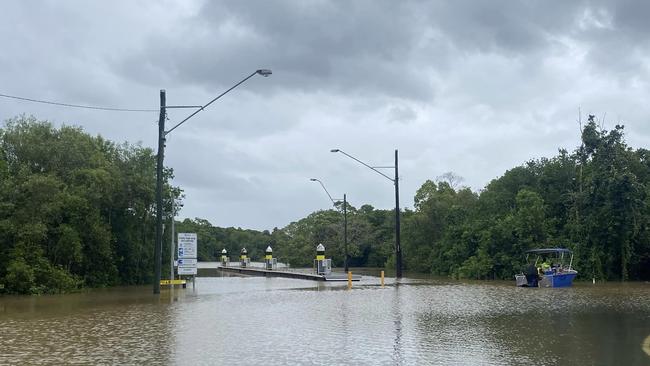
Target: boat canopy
<point>548,250</point>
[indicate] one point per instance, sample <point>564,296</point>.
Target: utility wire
<point>78,105</point>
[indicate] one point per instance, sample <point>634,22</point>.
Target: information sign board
<point>187,254</point>
<point>187,245</point>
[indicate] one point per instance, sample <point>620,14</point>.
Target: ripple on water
<point>252,321</point>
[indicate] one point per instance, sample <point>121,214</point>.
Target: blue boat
<point>548,269</point>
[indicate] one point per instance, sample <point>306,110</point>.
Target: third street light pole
<point>398,247</point>
<point>345,221</point>
<point>159,166</point>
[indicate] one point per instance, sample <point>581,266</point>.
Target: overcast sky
<point>473,87</point>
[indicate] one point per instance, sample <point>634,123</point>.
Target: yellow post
<point>350,279</point>
<point>382,278</point>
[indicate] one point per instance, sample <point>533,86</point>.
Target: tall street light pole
<point>159,166</point>
<point>159,178</point>
<point>398,247</point>
<point>345,221</point>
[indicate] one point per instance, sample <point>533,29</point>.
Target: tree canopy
<point>75,210</point>
<point>78,210</point>
<point>594,201</point>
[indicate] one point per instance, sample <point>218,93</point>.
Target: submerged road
<point>278,321</point>
<point>210,269</point>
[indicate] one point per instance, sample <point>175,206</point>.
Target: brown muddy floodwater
<point>276,321</point>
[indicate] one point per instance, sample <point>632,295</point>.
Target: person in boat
<point>546,266</point>
<point>532,275</point>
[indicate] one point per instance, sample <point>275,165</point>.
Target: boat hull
<point>563,279</point>
<point>549,280</point>
<point>524,281</point>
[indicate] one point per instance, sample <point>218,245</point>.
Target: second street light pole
<point>398,247</point>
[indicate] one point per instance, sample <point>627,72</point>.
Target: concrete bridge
<point>212,269</point>
<point>215,265</point>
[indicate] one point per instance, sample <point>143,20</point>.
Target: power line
<point>78,105</point>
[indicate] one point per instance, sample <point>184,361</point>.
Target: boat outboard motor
<point>531,275</point>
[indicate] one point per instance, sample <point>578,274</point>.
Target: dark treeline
<point>370,237</point>
<point>77,210</point>
<point>594,201</point>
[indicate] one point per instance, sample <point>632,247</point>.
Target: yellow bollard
<point>382,278</point>
<point>350,279</point>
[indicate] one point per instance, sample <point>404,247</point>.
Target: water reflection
<point>83,328</point>
<point>250,320</point>
<point>397,315</point>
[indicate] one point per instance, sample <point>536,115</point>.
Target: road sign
<point>187,262</point>
<point>187,271</point>
<point>187,254</point>
<point>186,245</point>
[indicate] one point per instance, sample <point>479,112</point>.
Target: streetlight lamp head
<point>334,150</point>
<point>264,72</point>
<point>313,179</point>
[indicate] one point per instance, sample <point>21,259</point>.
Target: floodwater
<point>277,321</point>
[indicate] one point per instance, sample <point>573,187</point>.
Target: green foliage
<point>594,201</point>
<point>370,238</point>
<point>75,210</point>
<point>19,277</point>
<point>212,240</point>
<point>477,266</point>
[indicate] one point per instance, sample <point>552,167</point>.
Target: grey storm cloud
<point>386,48</point>
<point>473,87</point>
<point>314,46</point>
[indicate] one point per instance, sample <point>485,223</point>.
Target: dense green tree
<point>594,201</point>
<point>76,210</point>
